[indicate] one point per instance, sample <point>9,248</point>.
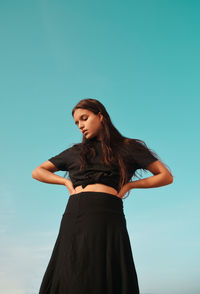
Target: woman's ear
<point>101,116</point>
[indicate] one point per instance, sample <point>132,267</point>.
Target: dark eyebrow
<point>81,117</point>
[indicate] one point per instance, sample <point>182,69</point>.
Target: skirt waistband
<point>95,193</point>
<point>90,201</point>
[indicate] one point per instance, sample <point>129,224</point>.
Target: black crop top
<point>96,171</point>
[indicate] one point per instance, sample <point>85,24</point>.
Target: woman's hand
<point>124,190</point>
<point>70,186</point>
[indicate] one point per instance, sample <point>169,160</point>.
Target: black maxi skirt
<point>92,253</point>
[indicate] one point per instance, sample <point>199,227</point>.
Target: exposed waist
<point>97,187</point>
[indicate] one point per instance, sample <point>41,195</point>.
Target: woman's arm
<point>45,173</point>
<point>161,177</point>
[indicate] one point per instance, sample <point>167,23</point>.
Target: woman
<point>92,253</point>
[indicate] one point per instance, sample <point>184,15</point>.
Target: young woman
<point>92,253</point>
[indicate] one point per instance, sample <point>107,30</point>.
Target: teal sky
<point>141,60</point>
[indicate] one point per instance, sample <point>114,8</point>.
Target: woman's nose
<point>81,126</point>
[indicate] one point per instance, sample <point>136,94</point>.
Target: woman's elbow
<point>169,178</point>
<point>34,174</point>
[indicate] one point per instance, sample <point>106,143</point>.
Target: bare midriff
<point>97,188</point>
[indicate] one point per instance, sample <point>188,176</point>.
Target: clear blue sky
<point>141,60</point>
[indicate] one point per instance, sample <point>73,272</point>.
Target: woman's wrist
<point>65,181</point>
<point>132,185</point>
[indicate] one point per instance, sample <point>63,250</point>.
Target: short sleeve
<point>61,160</point>
<point>143,158</point>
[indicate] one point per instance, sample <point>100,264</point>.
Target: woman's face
<point>87,121</point>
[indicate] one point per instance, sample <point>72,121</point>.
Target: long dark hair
<point>114,145</point>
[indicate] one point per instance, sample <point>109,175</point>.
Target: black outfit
<point>96,171</point>
<point>92,253</point>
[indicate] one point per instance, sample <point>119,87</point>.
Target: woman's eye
<point>83,118</point>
